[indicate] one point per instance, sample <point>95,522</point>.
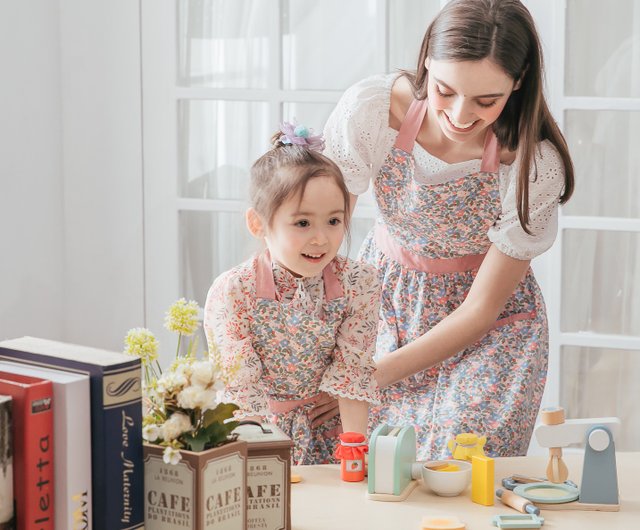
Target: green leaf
<point>222,412</point>
<point>212,436</point>
<point>197,443</point>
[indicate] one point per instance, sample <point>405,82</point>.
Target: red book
<point>32,449</point>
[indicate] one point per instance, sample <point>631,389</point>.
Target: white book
<point>71,442</point>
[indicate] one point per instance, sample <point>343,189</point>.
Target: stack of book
<point>70,437</point>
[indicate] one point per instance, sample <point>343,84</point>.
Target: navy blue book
<point>116,423</point>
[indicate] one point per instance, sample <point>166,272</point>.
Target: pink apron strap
<point>411,125</point>
<point>332,286</point>
<point>266,285</point>
<point>491,153</point>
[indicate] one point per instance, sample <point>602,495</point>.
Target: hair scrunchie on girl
<point>292,134</point>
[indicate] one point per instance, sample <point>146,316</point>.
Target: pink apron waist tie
<point>285,406</point>
<point>395,251</point>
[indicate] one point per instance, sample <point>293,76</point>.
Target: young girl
<point>468,168</point>
<point>297,320</point>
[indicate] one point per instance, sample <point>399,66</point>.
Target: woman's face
<point>466,97</point>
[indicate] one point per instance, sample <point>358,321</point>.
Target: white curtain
<point>601,279</point>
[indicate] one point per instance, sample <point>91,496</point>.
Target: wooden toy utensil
<point>557,471</point>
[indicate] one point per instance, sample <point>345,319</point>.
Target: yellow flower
<point>140,342</point>
<point>182,317</point>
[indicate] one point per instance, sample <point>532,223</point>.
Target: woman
<point>468,168</point>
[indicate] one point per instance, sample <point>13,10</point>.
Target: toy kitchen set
<point>394,472</point>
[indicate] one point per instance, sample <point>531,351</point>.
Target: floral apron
<point>304,335</point>
<point>428,243</point>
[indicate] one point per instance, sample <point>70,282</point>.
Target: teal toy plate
<point>547,492</point>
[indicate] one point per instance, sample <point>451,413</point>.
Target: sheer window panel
<point>315,115</point>
<point>601,48</point>
<point>359,229</point>
<point>313,31</point>
<point>601,282</point>
<point>408,22</point>
<point>217,143</point>
<point>603,145</point>
<point>312,115</point>
<point>224,43</point>
<point>211,243</point>
<point>600,382</point>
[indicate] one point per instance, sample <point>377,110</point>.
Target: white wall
<point>102,142</point>
<point>31,219</point>
<point>71,226</point>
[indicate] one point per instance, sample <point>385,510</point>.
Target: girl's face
<point>305,235</point>
<point>466,97</point>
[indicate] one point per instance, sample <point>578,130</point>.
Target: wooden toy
<point>557,471</point>
<point>446,482</point>
<point>599,486</point>
<point>511,482</point>
<point>443,467</point>
<point>442,523</point>
<point>518,521</point>
<point>482,480</point>
<point>351,451</point>
<point>392,454</point>
<point>547,492</point>
<point>517,502</point>
<point>465,445</point>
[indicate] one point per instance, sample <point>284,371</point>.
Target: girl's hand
<point>325,409</point>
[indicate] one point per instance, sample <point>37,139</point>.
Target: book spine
<point>117,472</point>
<point>73,455</point>
<point>118,503</point>
<point>6,464</point>
<point>33,452</point>
<point>39,458</point>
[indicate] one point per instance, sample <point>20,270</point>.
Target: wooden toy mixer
<point>599,486</point>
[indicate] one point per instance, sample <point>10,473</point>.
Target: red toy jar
<point>351,451</point>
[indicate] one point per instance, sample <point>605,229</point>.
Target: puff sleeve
<point>544,193</point>
<point>353,131</point>
<point>227,314</point>
<point>350,375</point>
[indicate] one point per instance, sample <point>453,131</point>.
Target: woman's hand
<point>325,409</point>
<point>497,279</point>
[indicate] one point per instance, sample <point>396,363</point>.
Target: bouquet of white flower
<point>180,405</point>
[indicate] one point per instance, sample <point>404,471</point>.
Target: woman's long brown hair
<point>504,32</point>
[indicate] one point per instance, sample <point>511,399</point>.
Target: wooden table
<point>323,502</point>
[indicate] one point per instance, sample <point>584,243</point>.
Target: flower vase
<point>204,490</point>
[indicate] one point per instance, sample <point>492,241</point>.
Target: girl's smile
<point>306,233</point>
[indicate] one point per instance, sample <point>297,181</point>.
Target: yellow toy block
<point>482,480</point>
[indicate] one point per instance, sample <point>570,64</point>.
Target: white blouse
<point>358,138</point>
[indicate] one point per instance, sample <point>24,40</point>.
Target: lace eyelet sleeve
<point>227,315</point>
<point>544,193</point>
<point>350,375</point>
<point>353,132</point>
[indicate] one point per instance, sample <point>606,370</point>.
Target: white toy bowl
<point>447,483</point>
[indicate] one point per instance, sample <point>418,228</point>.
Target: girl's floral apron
<point>296,341</point>
<point>428,243</point>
